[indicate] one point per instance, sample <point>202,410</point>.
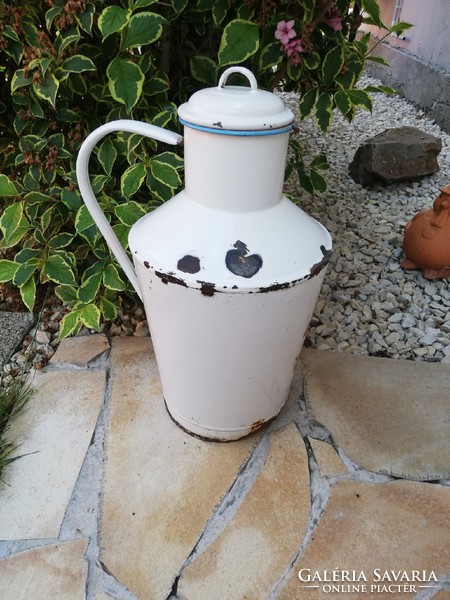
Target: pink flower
<point>285,31</point>
<point>291,47</point>
<point>294,48</point>
<point>335,23</point>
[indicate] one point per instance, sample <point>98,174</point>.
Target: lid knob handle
<point>246,72</point>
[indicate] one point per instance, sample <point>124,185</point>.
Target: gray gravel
<point>368,304</point>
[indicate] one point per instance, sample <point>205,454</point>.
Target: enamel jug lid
<point>236,108</point>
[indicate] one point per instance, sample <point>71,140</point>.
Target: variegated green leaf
<point>24,272</point>
<point>86,19</point>
<point>171,159</point>
<point>66,293</point>
<point>240,40</point>
<point>57,270</point>
<point>204,69</point>
<point>50,14</point>
<point>47,89</point>
<point>10,33</point>
<point>384,89</point>
<point>108,309</point>
<point>107,155</point>
<point>359,98</point>
<point>66,38</point>
<point>155,86</point>
<point>11,218</point>
<point>378,59</point>
<point>112,20</point>
<point>89,315</point>
<point>318,181</point>
<point>78,64</point>
<point>305,181</point>
<point>8,269</point>
<point>121,231</point>
<point>143,28</point>
<point>320,162</point>
<point>323,111</point>
<point>112,279</point>
<point>332,64</point>
<point>89,288</point>
<point>179,5</point>
<point>271,55</point>
<point>132,179</point>
<point>342,101</point>
<point>307,102</point>
<point>20,80</point>
<point>44,63</point>
<point>7,187</point>
<point>125,81</point>
<point>130,212</point>
<point>373,9</point>
<point>400,27</point>
<point>62,240</point>
<point>83,220</point>
<point>165,173</point>
<point>69,324</point>
<point>13,238</point>
<point>219,11</point>
<point>311,60</point>
<point>28,293</point>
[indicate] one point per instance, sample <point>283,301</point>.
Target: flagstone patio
<point>349,487</point>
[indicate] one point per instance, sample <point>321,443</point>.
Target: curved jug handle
<point>151,131</point>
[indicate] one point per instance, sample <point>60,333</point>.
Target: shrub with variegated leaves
<point>67,66</point>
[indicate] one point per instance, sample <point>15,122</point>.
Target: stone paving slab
<point>57,571</point>
<point>170,517</point>
<point>54,433</point>
<point>161,485</point>
<point>400,526</point>
<point>389,416</point>
<point>252,554</point>
<point>79,351</point>
<point>13,328</point>
<point>328,459</point>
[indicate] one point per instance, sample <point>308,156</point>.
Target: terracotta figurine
<point>427,239</point>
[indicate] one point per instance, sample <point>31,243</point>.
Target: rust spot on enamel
<point>241,263</point>
<point>207,288</point>
<point>275,287</point>
<point>169,278</point>
<point>256,425</point>
<point>189,264</point>
<point>315,269</point>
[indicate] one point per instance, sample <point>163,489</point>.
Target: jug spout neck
<point>234,173</point>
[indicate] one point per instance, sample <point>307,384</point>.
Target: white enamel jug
<point>229,270</point>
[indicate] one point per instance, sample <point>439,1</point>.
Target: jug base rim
<point>214,435</point>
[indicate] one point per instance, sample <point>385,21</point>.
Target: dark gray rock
<point>13,328</point>
<point>396,154</point>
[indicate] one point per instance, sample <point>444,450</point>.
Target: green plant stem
<point>377,44</point>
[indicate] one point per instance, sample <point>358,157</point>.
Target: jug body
<point>228,305</point>
<point>229,270</point>
<point>226,361</point>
